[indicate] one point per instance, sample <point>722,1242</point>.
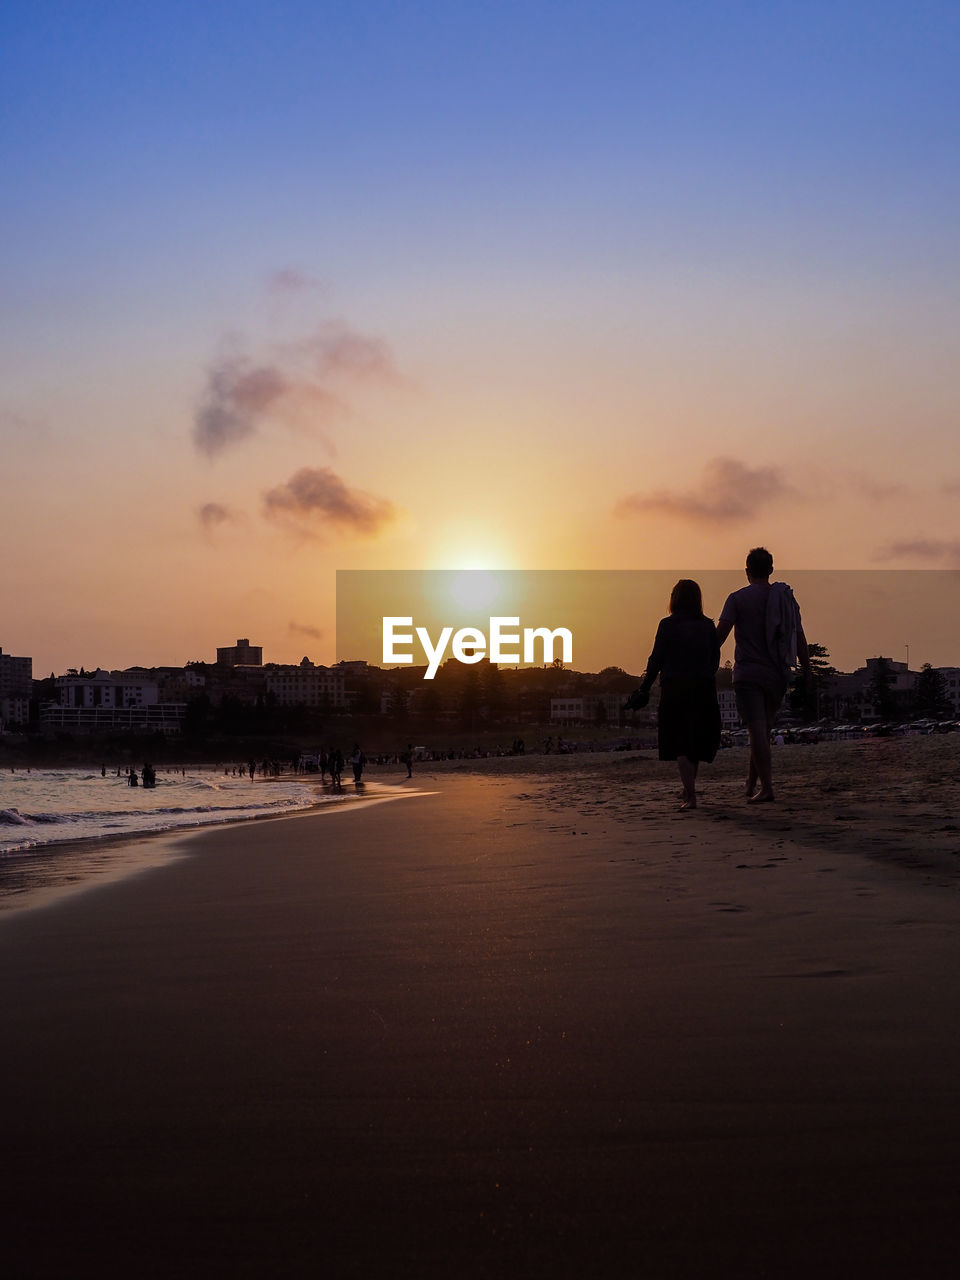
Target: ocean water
<point>53,822</point>
<point>48,806</point>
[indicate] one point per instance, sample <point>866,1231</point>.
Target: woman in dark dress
<point>685,656</point>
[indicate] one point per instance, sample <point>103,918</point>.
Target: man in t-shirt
<point>760,615</point>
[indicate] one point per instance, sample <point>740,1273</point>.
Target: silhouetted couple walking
<point>769,642</point>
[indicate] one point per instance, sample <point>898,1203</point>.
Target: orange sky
<point>680,304</point>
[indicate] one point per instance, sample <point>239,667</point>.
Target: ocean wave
<point>112,816</point>
<point>58,807</point>
<point>87,827</point>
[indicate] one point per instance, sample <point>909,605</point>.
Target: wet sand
<point>536,1023</point>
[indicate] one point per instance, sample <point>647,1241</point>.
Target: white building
<point>113,689</point>
<point>729,716</point>
<point>111,700</point>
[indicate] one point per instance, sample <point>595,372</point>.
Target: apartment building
<point>305,685</point>
<point>241,654</point>
<point>16,688</point>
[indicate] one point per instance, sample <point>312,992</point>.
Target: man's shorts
<point>758,701</point>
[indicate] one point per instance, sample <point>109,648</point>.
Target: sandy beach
<point>531,1021</point>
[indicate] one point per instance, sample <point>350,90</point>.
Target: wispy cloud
<point>728,491</point>
<point>214,514</point>
<point>942,551</point>
<point>291,280</point>
<point>877,490</point>
<point>951,488</point>
<point>336,350</point>
<point>315,501</point>
<point>301,385</point>
<point>303,629</point>
<point>242,398</point>
<point>17,423</point>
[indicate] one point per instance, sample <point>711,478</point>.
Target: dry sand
<point>535,1023</point>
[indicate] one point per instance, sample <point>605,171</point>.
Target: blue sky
<point>191,132</point>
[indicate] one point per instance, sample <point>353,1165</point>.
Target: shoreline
<point>87,862</point>
<point>824,792</point>
<point>530,1024</point>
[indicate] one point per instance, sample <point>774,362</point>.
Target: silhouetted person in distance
<point>407,759</point>
<point>335,764</point>
<point>686,654</point>
<point>769,640</point>
<point>357,760</point>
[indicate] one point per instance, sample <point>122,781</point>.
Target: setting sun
<point>474,589</point>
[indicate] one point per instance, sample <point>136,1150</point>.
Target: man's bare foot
<point>750,787</point>
<point>689,804</point>
<point>760,797</point>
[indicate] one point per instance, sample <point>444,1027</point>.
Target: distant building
<point>14,711</point>
<point>306,685</point>
<point>110,700</point>
<point>729,716</point>
<point>354,667</point>
<point>107,689</point>
<point>567,709</point>
<point>852,694</point>
<point>16,676</point>
<point>158,717</point>
<point>177,684</point>
<point>951,681</point>
<point>244,684</point>
<point>16,687</point>
<point>902,679</point>
<point>241,654</point>
<point>590,708</point>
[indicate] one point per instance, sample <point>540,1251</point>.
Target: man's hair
<point>759,563</point>
<point>686,598</point>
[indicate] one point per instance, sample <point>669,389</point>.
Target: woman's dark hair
<point>686,598</point>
